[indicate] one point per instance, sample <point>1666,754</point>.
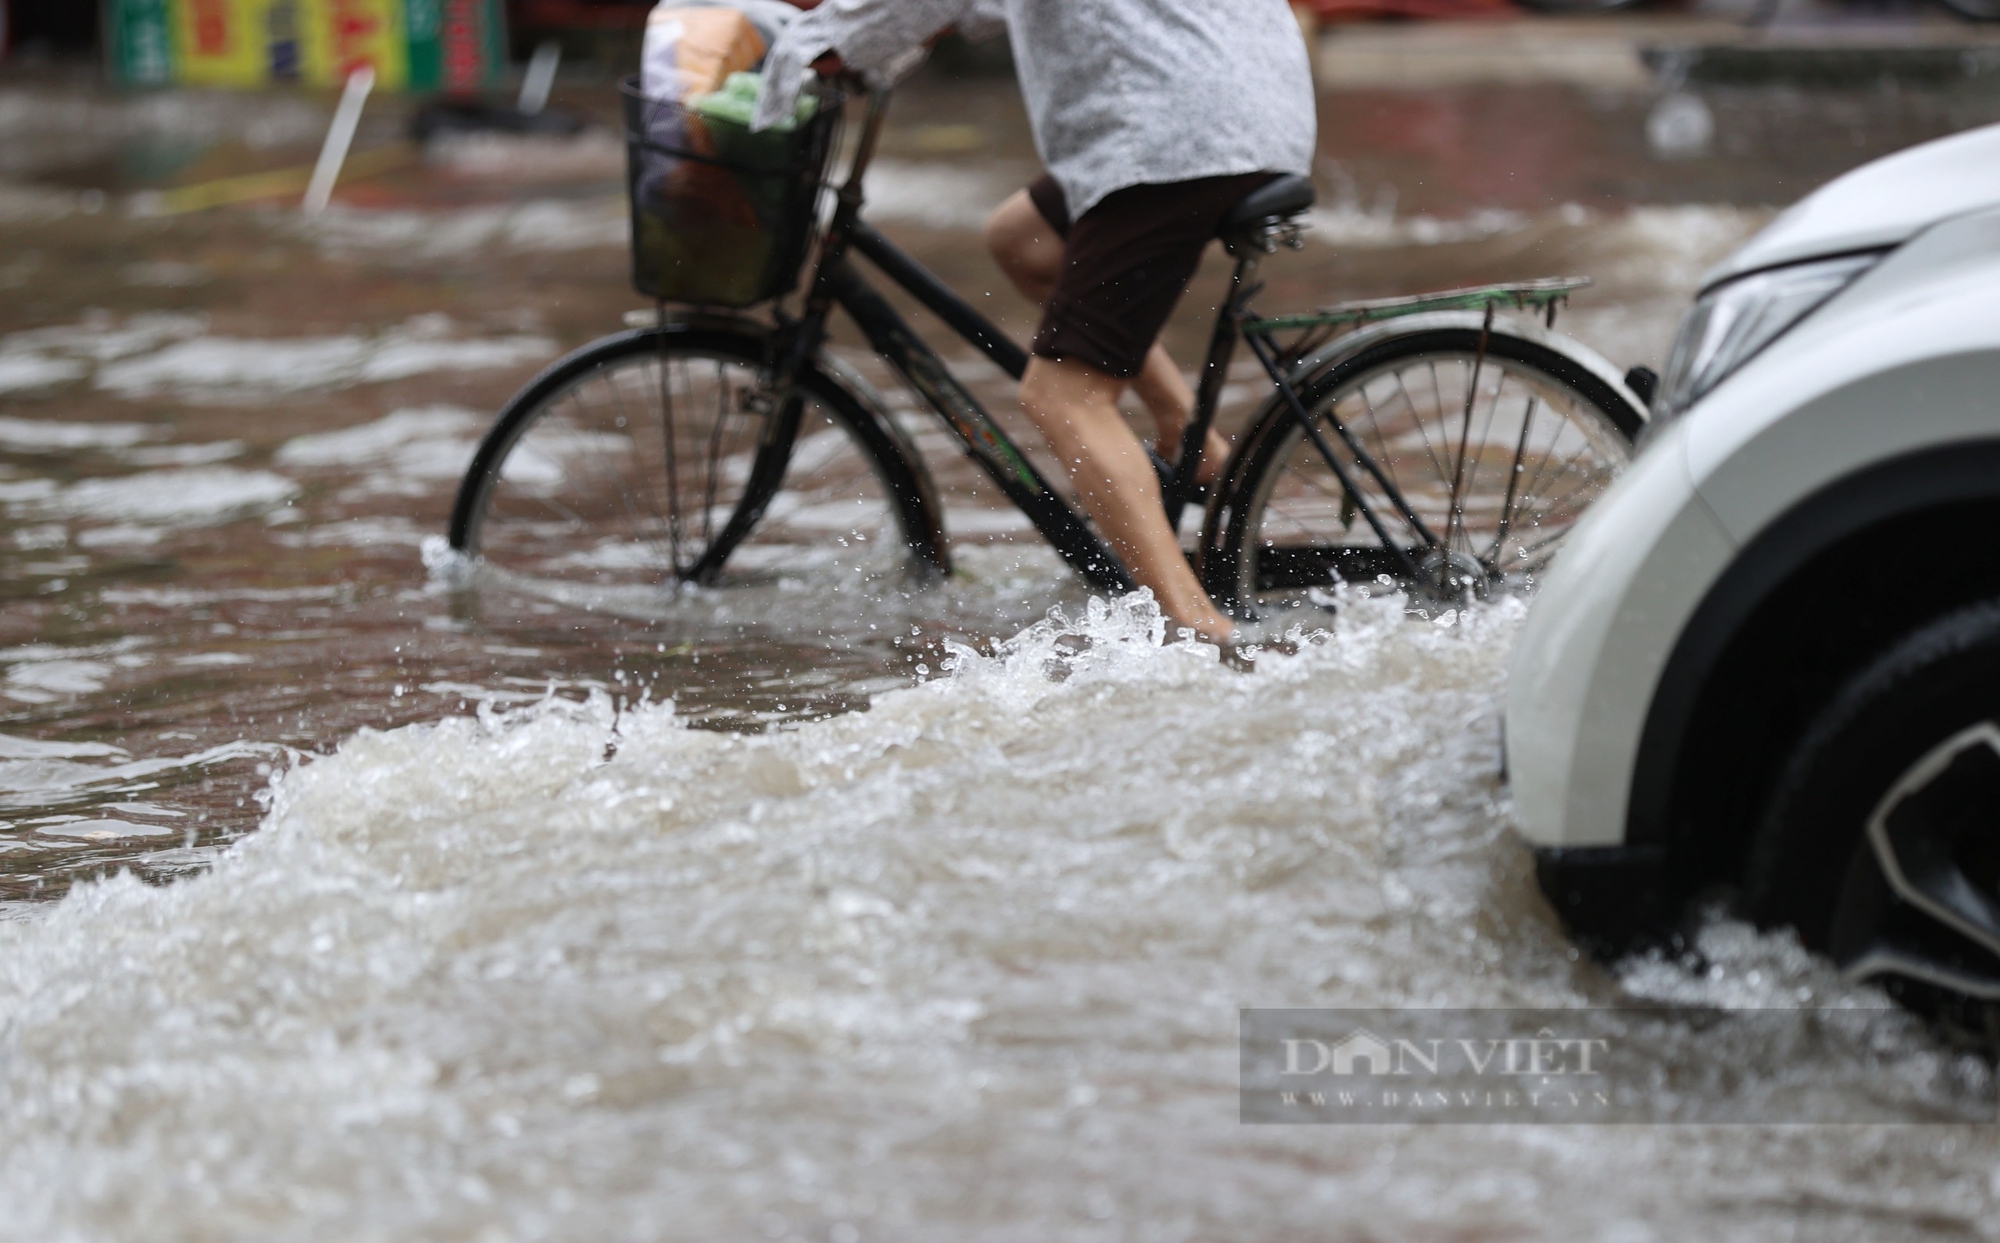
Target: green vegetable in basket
<point>736,103</point>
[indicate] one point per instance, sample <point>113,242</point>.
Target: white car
<point>1768,659</point>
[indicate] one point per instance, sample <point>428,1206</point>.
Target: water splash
<point>965,965</point>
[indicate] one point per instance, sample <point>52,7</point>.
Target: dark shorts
<point>1126,264</point>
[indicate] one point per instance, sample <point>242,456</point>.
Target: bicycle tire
<point>1316,540</point>
<point>611,478</point>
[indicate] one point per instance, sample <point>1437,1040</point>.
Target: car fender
<point>1630,574</point>
<point>1943,474</point>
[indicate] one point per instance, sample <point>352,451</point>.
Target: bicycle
<point>710,447</point>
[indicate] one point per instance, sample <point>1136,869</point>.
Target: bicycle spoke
<point>1535,482</point>
<point>1526,552</point>
<point>601,487</point>
<point>1381,441</point>
<point>1513,449</point>
<point>1485,438</point>
<point>1562,470</point>
<point>708,505</point>
<point>1554,508</point>
<point>625,495</point>
<point>1417,420</point>
<point>1492,557</point>
<point>1455,519</point>
<point>1443,419</point>
<point>560,461</point>
<point>633,426</point>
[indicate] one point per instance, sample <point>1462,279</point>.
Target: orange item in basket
<point>697,48</point>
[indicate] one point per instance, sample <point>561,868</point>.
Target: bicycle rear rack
<point>1543,296</point>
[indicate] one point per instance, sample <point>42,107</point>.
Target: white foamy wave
<point>104,829</point>
<point>36,204</point>
<point>539,157</point>
<point>41,357</point>
<point>34,114</point>
<point>586,973</point>
<point>123,535</point>
<point>934,195</point>
<point>541,225</point>
<point>50,776</point>
<point>405,452</point>
<point>40,673</point>
<point>1369,230</point>
<point>1674,245</point>
<point>152,354</point>
<point>101,337</point>
<point>183,455</point>
<point>20,371</point>
<point>192,497</point>
<point>38,749</point>
<point>46,681</point>
<point>360,533</point>
<point>223,367</point>
<point>50,436</point>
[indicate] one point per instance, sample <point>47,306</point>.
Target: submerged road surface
<point>333,910</point>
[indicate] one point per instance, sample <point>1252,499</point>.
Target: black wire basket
<point>721,215</point>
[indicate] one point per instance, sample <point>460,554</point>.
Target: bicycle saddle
<point>1275,200</point>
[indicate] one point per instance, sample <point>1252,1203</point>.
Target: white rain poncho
<point>1121,92</point>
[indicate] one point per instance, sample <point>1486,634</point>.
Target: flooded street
<point>335,907</point>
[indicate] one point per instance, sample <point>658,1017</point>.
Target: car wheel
<point>1881,840</point>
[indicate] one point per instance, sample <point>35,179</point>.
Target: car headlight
<point>1731,322</point>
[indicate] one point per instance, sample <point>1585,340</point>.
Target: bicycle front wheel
<point>663,457</point>
<point>1495,453</point>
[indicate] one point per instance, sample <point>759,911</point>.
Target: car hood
<point>1879,204</point>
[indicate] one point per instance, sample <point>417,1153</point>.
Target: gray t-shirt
<point>1120,92</point>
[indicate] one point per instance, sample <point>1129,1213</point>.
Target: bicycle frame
<point>836,282</point>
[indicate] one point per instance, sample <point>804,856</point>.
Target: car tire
<point>1880,842</point>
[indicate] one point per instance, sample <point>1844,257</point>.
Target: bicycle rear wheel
<point>654,459</point>
<point>1496,455</point>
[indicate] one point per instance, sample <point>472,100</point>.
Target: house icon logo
<point>1363,1052</point>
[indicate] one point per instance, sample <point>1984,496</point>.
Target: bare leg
<point>1031,254</point>
<point>1076,409</point>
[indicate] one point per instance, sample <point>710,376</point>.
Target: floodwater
<point>334,911</point>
